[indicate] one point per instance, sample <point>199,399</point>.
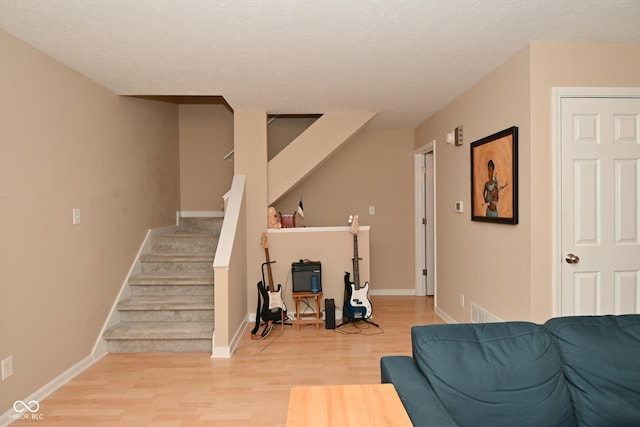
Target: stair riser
<point>173,244</point>
<point>165,290</point>
<point>201,225</point>
<point>156,280</point>
<point>167,316</point>
<point>159,346</point>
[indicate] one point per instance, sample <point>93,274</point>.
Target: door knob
<point>572,259</point>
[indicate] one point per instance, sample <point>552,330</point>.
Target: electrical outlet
<point>7,367</point>
<point>462,300</point>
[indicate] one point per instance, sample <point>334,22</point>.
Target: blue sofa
<point>571,371</point>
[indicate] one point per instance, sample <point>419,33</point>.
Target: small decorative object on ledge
<point>301,211</point>
<point>288,220</point>
<point>272,218</point>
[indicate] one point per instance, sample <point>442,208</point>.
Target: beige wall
<point>488,263</point>
<point>509,270</point>
<point>250,135</point>
<point>311,149</point>
<point>69,143</point>
<point>282,130</point>
<point>375,168</point>
<point>206,135</point>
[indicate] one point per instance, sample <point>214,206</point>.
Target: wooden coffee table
<point>371,405</point>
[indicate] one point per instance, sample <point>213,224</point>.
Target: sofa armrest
<point>420,402</point>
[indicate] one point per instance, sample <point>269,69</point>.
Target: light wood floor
<point>250,389</point>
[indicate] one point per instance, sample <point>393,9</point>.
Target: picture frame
<point>494,178</point>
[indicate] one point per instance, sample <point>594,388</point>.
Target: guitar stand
<point>349,320</point>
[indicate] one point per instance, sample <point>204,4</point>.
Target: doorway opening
<point>424,219</point>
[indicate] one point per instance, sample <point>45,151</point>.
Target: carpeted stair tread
<point>190,234</point>
<point>160,331</point>
<point>163,302</point>
<point>178,257</point>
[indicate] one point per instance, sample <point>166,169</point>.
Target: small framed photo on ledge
<point>494,178</point>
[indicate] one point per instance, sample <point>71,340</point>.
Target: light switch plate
<point>7,367</point>
<point>458,135</point>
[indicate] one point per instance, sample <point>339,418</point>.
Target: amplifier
<point>306,276</point>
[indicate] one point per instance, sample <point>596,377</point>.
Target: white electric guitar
<point>356,301</point>
<point>273,309</point>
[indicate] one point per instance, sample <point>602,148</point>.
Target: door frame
<point>419,213</point>
<point>559,93</point>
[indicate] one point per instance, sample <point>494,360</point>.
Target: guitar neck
<point>356,268</point>
<point>269,274</point>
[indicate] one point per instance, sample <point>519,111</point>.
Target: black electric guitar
<point>271,308</point>
<point>356,299</point>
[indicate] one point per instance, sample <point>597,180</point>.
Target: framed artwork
<point>494,178</point>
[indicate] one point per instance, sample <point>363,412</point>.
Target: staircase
<point>170,307</point>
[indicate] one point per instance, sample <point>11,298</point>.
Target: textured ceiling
<point>404,60</point>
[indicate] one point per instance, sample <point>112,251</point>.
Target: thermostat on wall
<point>459,206</point>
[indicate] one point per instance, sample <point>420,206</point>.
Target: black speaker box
<point>304,274</point>
<point>329,314</point>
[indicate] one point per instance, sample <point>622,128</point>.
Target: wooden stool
<point>301,318</point>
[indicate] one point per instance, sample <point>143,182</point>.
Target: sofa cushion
<point>601,358</point>
<point>414,391</point>
<point>496,374</point>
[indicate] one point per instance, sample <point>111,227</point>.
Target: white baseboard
<point>445,316</point>
<point>223,352</point>
<point>220,352</point>
<point>45,391</point>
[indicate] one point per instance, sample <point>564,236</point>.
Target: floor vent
<point>480,315</point>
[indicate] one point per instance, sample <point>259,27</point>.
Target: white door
<point>600,206</point>
<point>429,261</point>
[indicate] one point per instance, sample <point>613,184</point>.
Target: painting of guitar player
<point>494,178</point>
